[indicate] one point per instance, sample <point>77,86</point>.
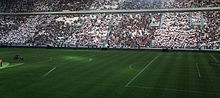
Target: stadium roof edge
<point>117,11</point>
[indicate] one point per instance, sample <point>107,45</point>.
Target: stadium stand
<point>209,3</point>
<point>133,31</point>
<point>115,30</point>
<point>77,5</point>
<point>176,30</point>
<point>211,32</point>
<point>44,5</point>
<point>105,4</point>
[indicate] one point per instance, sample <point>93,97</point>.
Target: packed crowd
<point>116,30</point>
<point>175,32</point>
<point>43,5</point>
<point>196,17</point>
<point>210,37</point>
<point>105,4</point>
<point>133,31</point>
<point>136,4</point>
<point>178,4</point>
<point>156,18</point>
<point>209,3</point>
<point>77,5</point>
<point>58,29</point>
<point>95,29</point>
<point>15,30</point>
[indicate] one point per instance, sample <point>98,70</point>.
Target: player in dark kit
<point>18,57</point>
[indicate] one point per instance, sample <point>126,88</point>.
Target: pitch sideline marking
<point>46,74</point>
<point>15,65</point>
<point>5,65</point>
<point>141,71</point>
<point>51,59</point>
<point>170,89</point>
<point>214,58</point>
<point>198,70</point>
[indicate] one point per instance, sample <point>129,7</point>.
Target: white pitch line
<point>214,58</point>
<point>171,89</point>
<point>141,71</point>
<point>15,65</point>
<point>198,69</point>
<point>49,72</point>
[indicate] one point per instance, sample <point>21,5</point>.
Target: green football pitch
<point>108,74</point>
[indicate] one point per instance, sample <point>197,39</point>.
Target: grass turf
<point>171,75</point>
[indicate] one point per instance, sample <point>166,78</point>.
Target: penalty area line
<point>140,72</point>
<point>46,74</point>
<point>214,58</point>
<point>15,65</point>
